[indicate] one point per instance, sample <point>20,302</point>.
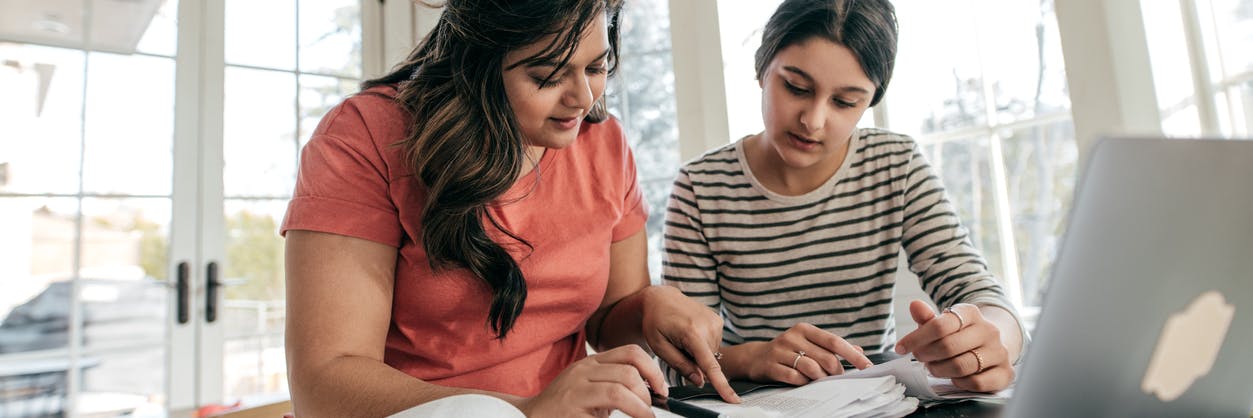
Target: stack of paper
<point>869,397</point>
<point>918,383</point>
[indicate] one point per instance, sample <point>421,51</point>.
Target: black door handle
<point>212,284</point>
<point>182,288</point>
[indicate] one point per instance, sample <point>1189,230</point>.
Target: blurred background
<point>148,149</point>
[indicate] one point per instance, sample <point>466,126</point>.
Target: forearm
<point>1011,332</point>
<point>351,386</point>
<point>621,323</point>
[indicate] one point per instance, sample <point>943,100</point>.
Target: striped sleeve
<point>940,252</point>
<point>688,263</point>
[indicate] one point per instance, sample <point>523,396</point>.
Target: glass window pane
<point>651,122</point>
<point>1234,33</point>
<point>330,37</point>
<point>643,94</point>
<point>127,382</point>
<point>964,167</point>
<point>254,250</point>
<point>33,388</point>
<point>255,368</point>
<point>1026,69</point>
<point>130,129</point>
<point>261,33</point>
<point>259,133</point>
<point>36,265</point>
<point>1040,164</point>
<point>255,309</point>
<point>42,107</point>
<point>161,38</point>
<point>1240,110</point>
<point>125,239</point>
<point>646,27</point>
<point>937,82</point>
<point>1172,73</point>
<point>317,96</point>
<point>740,23</point>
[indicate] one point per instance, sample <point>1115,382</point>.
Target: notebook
<point>1149,310</point>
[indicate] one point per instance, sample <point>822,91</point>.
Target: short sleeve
<point>342,186</point>
<point>634,207</point>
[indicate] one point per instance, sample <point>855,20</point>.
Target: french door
<point>147,151</point>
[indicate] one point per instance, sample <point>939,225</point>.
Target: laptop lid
<point>1150,307</point>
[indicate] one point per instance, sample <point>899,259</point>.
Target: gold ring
<point>797,360</point>
<point>961,322</point>
<point>717,355</point>
<point>978,360</point>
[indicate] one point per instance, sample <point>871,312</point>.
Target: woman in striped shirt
<point>793,234</point>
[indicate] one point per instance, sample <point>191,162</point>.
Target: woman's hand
<point>960,344</point>
<point>617,379</point>
<point>781,359</point>
<point>685,334</point>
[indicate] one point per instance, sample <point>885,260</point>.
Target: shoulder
<point>369,118</point>
<point>723,161</point>
<point>877,148</point>
<point>362,129</point>
<point>875,141</point>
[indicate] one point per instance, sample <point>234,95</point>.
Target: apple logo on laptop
<point>1188,346</point>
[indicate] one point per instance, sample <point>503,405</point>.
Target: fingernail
<point>900,349</point>
<point>695,379</point>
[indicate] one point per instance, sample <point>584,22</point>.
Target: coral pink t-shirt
<point>354,182</point>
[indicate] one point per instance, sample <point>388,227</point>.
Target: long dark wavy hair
<point>465,143</point>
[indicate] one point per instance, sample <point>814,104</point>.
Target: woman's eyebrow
<point>550,63</point>
<point>807,77</point>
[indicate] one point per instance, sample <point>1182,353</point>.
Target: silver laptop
<point>1150,308</point>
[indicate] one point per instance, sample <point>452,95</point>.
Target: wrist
<point>1009,328</point>
<point>736,360</point>
<point>658,293</point>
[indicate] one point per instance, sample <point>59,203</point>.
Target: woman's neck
<point>533,156</point>
<point>778,177</point>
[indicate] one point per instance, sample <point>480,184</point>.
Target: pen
<point>682,408</point>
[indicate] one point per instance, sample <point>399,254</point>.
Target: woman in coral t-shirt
<point>468,222</point>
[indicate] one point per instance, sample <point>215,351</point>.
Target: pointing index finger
<point>713,372</point>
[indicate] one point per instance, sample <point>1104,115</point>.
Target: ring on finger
<point>797,360</point>
<point>978,361</point>
<point>961,322</point>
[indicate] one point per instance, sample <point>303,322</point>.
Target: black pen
<point>682,408</point>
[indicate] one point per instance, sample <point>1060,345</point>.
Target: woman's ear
<point>598,113</point>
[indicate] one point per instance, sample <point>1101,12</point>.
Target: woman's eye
<point>546,83</point>
<point>795,90</point>
<point>845,104</point>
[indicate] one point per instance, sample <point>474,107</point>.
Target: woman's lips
<point>566,123</point>
<point>802,143</point>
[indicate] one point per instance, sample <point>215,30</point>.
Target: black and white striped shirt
<point>767,261</point>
